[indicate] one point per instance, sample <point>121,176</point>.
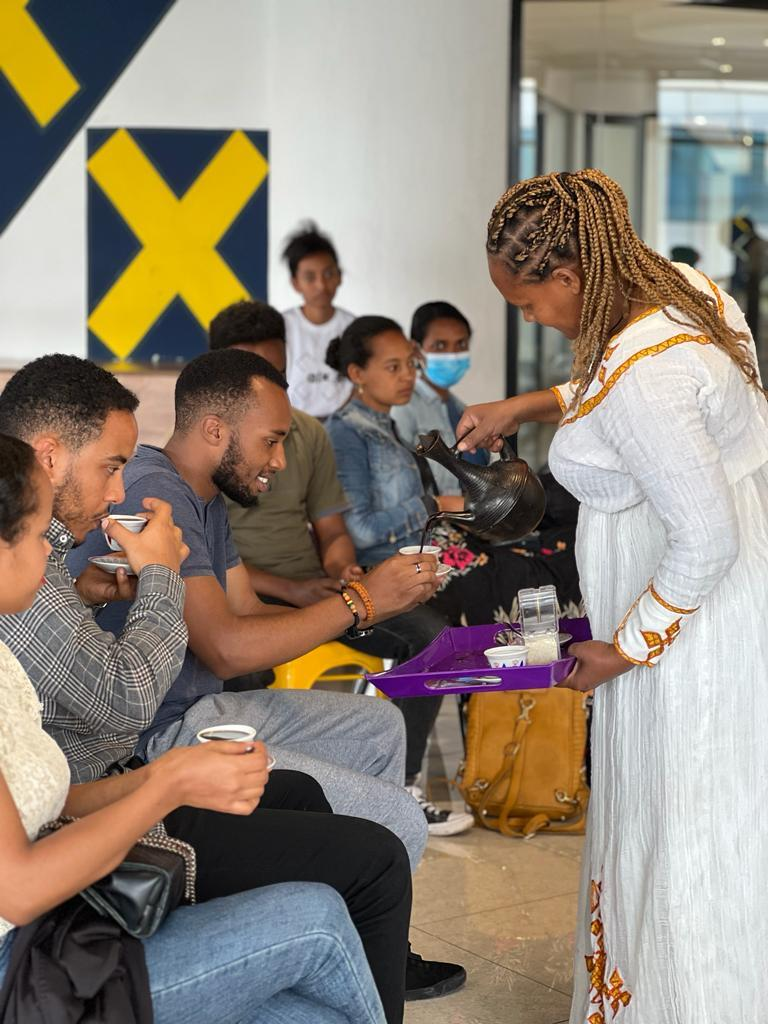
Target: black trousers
<point>292,836</point>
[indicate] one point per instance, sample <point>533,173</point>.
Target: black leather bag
<point>158,874</point>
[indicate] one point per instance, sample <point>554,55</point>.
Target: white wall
<point>387,125</point>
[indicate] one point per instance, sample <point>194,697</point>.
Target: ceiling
<point>661,39</point>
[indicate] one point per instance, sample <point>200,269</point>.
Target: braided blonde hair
<point>582,218</point>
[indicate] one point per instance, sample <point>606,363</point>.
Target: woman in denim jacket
<point>383,481</point>
<point>391,492</point>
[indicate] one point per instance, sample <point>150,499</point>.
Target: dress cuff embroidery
<point>650,626</point>
<point>560,400</point>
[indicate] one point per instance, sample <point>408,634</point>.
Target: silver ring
<point>418,567</point>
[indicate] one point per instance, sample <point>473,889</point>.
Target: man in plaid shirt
<point>99,692</point>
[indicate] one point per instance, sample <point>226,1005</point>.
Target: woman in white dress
<point>663,436</point>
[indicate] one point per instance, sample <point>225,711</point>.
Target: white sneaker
<point>441,823</point>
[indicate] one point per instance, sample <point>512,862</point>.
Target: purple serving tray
<point>454,663</point>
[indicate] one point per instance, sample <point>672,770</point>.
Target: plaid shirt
<point>98,692</point>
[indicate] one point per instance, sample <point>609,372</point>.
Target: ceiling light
<point>747,140</point>
<point>700,120</point>
<point>726,69</point>
<point>718,40</point>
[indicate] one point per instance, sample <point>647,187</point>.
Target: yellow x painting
<point>177,229</point>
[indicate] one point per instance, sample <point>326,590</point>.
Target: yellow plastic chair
<point>333,663</point>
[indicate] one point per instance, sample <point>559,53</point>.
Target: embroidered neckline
<point>589,404</point>
<point>630,323</point>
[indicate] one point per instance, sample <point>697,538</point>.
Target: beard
<point>228,477</point>
<point>68,502</point>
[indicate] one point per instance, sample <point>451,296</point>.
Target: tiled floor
<point>504,908</point>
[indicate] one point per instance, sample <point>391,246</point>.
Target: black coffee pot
<point>503,502</point>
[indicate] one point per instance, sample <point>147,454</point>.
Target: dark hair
<point>64,394</point>
<point>17,495</point>
<point>354,346</point>
<point>307,241</point>
<point>219,383</point>
<point>246,322</point>
<point>437,310</point>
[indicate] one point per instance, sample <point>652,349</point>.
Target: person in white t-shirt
<point>315,274</point>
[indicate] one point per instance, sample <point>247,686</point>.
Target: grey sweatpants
<point>352,744</point>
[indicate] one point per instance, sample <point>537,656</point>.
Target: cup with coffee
<point>133,523</point>
<point>238,733</point>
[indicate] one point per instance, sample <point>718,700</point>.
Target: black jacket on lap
<point>72,966</point>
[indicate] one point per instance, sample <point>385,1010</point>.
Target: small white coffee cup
<point>240,733</point>
<point>133,523</point>
<point>415,549</point>
<point>443,570</point>
<point>506,657</point>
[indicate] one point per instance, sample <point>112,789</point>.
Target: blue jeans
<point>285,954</point>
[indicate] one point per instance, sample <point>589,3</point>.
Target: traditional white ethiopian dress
<point>668,454</point>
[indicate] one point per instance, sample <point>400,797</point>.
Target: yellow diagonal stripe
<point>37,73</point>
<point>178,236</point>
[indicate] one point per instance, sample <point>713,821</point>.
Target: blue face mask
<point>445,368</point>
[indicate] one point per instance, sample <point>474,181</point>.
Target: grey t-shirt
<point>151,474</point>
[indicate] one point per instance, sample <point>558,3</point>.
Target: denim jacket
<point>381,480</point>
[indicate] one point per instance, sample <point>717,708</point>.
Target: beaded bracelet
<point>354,631</point>
<point>352,607</point>
<point>362,591</point>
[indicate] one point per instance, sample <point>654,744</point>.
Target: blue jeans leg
<point>257,956</point>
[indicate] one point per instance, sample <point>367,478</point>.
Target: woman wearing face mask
<point>284,952</point>
<point>442,335</point>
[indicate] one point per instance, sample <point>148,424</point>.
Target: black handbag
<point>158,874</point>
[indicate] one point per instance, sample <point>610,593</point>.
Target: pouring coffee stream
<point>503,502</point>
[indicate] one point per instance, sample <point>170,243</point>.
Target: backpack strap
<point>511,769</point>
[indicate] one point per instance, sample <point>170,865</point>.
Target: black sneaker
<point>428,979</point>
<point>439,822</point>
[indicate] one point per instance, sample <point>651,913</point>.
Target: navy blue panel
<point>174,337</point>
<point>96,40</point>
<point>179,156</point>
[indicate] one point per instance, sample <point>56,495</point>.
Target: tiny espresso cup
<point>133,523</point>
<point>238,733</point>
<point>428,549</point>
<point>506,657</point>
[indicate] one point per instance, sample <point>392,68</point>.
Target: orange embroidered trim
<point>654,350</point>
<point>715,292</point>
<point>560,401</point>
<point>604,995</point>
<point>617,644</point>
<point>601,374</point>
<point>640,316</point>
<point>625,656</point>
<point>656,643</point>
<point>665,604</point>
